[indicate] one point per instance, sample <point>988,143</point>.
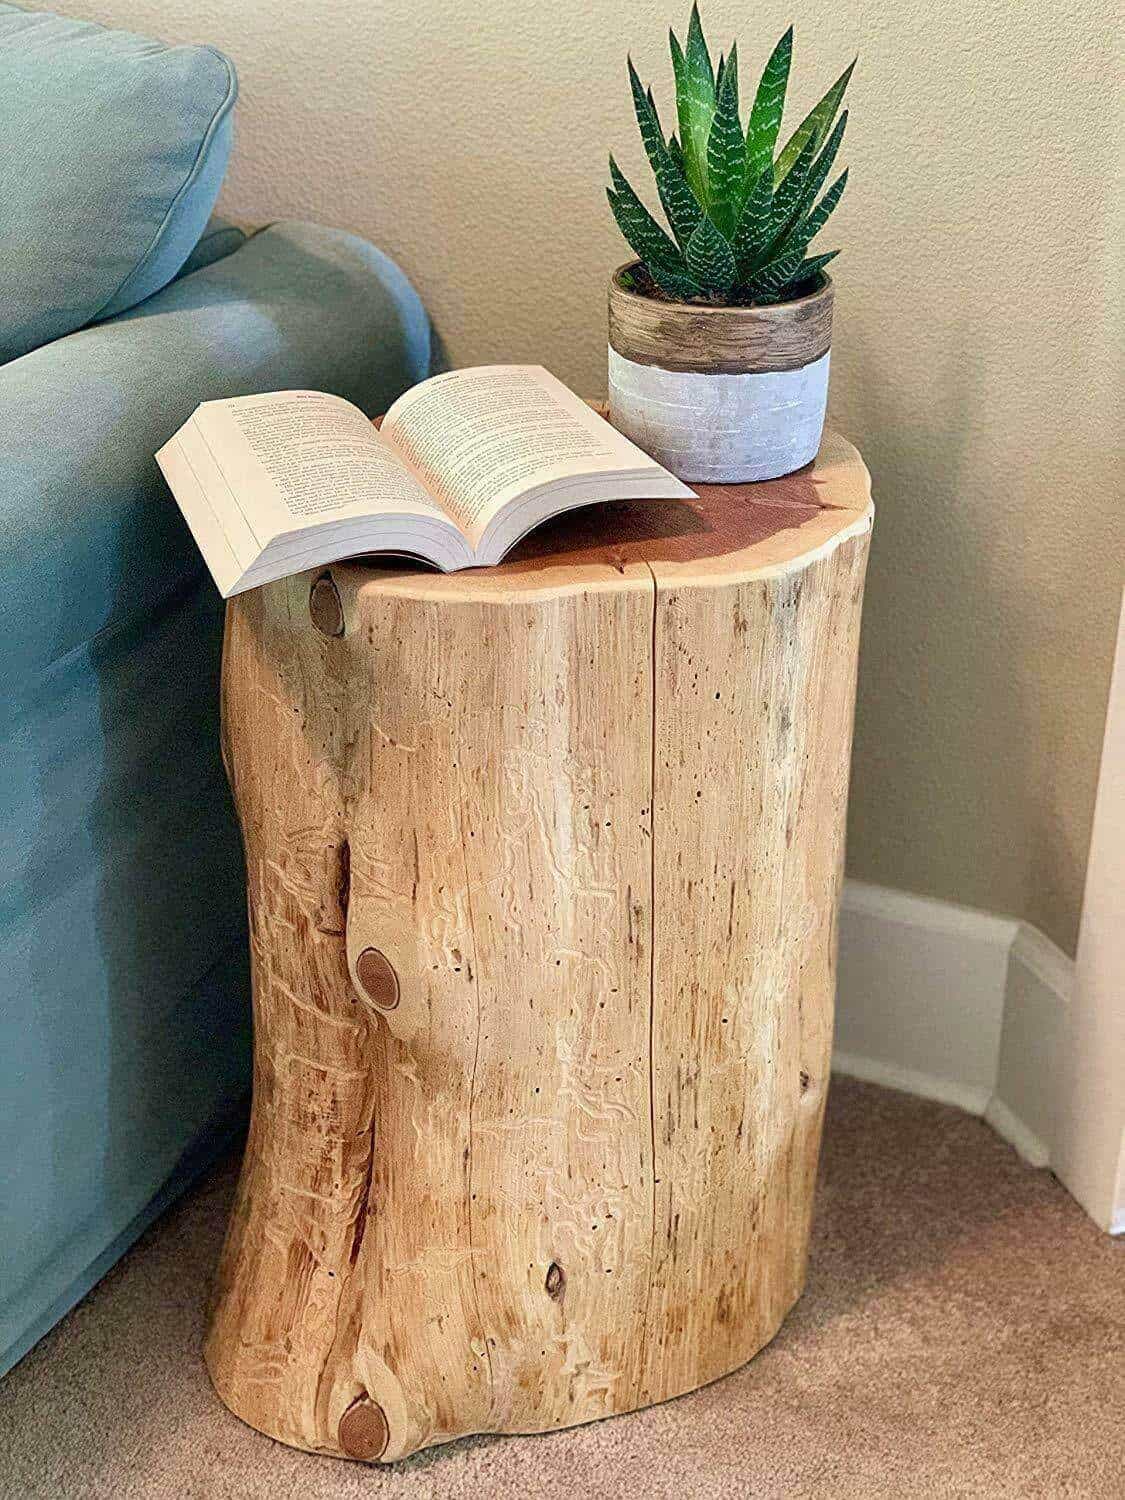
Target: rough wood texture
<point>543,864</point>
<point>719,340</point>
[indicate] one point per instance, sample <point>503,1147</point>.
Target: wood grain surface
<point>543,865</point>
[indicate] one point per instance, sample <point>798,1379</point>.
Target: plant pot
<point>720,394</point>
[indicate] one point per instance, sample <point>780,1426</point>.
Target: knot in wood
<point>325,608</point>
<point>377,978</point>
<point>555,1282</point>
<point>363,1431</point>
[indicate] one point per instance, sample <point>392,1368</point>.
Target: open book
<point>464,465</point>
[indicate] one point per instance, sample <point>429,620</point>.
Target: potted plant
<point>719,332</point>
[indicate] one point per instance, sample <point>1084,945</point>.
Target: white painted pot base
<point>720,429</point>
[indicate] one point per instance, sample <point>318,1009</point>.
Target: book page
<point>292,460</point>
<point>479,439</point>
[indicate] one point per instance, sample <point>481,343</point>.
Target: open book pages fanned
<point>464,465</point>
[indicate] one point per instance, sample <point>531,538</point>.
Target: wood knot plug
<point>377,978</point>
<point>363,1430</point>
<point>325,608</point>
<point>555,1283</point>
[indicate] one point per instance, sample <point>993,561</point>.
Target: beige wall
<point>973,360</point>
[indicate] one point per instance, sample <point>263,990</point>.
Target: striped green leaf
<point>766,111</point>
<point>731,68</point>
<point>645,236</point>
<point>780,269</point>
<point>710,258</point>
<point>673,279</point>
<point>678,284</point>
<point>679,202</point>
<point>805,272</point>
<point>818,172</point>
<point>823,211</point>
<point>695,102</point>
<point>753,232</point>
<point>787,196</point>
<point>815,126</point>
<point>813,266</point>
<point>698,57</point>
<point>726,156</point>
<point>795,197</point>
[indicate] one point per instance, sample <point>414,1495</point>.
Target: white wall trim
<point>907,909</point>
<point>1009,1127</point>
<point>954,1004</point>
<point>1050,965</point>
<point>969,1097</point>
<point>920,994</point>
<point>1025,1101</point>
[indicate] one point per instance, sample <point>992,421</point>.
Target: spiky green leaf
<point>812,266</point>
<point>698,56</point>
<point>768,281</point>
<point>795,196</point>
<point>805,273</point>
<point>754,225</point>
<point>815,126</point>
<point>780,269</point>
<point>766,111</point>
<point>678,284</point>
<point>644,234</point>
<point>726,156</point>
<point>674,279</point>
<point>818,172</point>
<point>823,211</point>
<point>787,196</point>
<point>695,102</point>
<point>675,151</point>
<point>679,202</point>
<point>731,69</point>
<point>710,258</point>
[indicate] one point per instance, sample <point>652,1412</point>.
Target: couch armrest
<point>93,538</point>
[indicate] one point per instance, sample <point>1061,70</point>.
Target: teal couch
<point>124,1047</point>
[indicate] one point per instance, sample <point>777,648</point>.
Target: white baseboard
<point>953,1004</point>
<point>1033,1148</point>
<point>920,993</point>
<point>1023,1105</point>
<point>909,1081</point>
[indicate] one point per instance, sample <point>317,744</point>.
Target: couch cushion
<point>91,535</point>
<point>114,152</point>
<point>220,239</point>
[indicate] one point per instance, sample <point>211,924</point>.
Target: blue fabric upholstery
<point>219,239</point>
<point>114,153</point>
<point>93,537</point>
<point>123,1008</point>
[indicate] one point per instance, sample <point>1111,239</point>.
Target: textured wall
<point>973,364</point>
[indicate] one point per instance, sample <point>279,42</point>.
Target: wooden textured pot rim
<point>708,339</point>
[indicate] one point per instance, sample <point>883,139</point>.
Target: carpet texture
<point>962,1334</point>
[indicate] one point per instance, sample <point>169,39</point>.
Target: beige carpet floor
<point>963,1334</point>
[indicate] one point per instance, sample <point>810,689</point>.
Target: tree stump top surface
<point>731,532</point>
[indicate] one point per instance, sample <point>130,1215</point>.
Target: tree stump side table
<point>543,867</point>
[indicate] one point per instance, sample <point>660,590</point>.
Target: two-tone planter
<point>716,394</point>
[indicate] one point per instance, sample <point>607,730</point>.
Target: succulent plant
<point>741,214</point>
